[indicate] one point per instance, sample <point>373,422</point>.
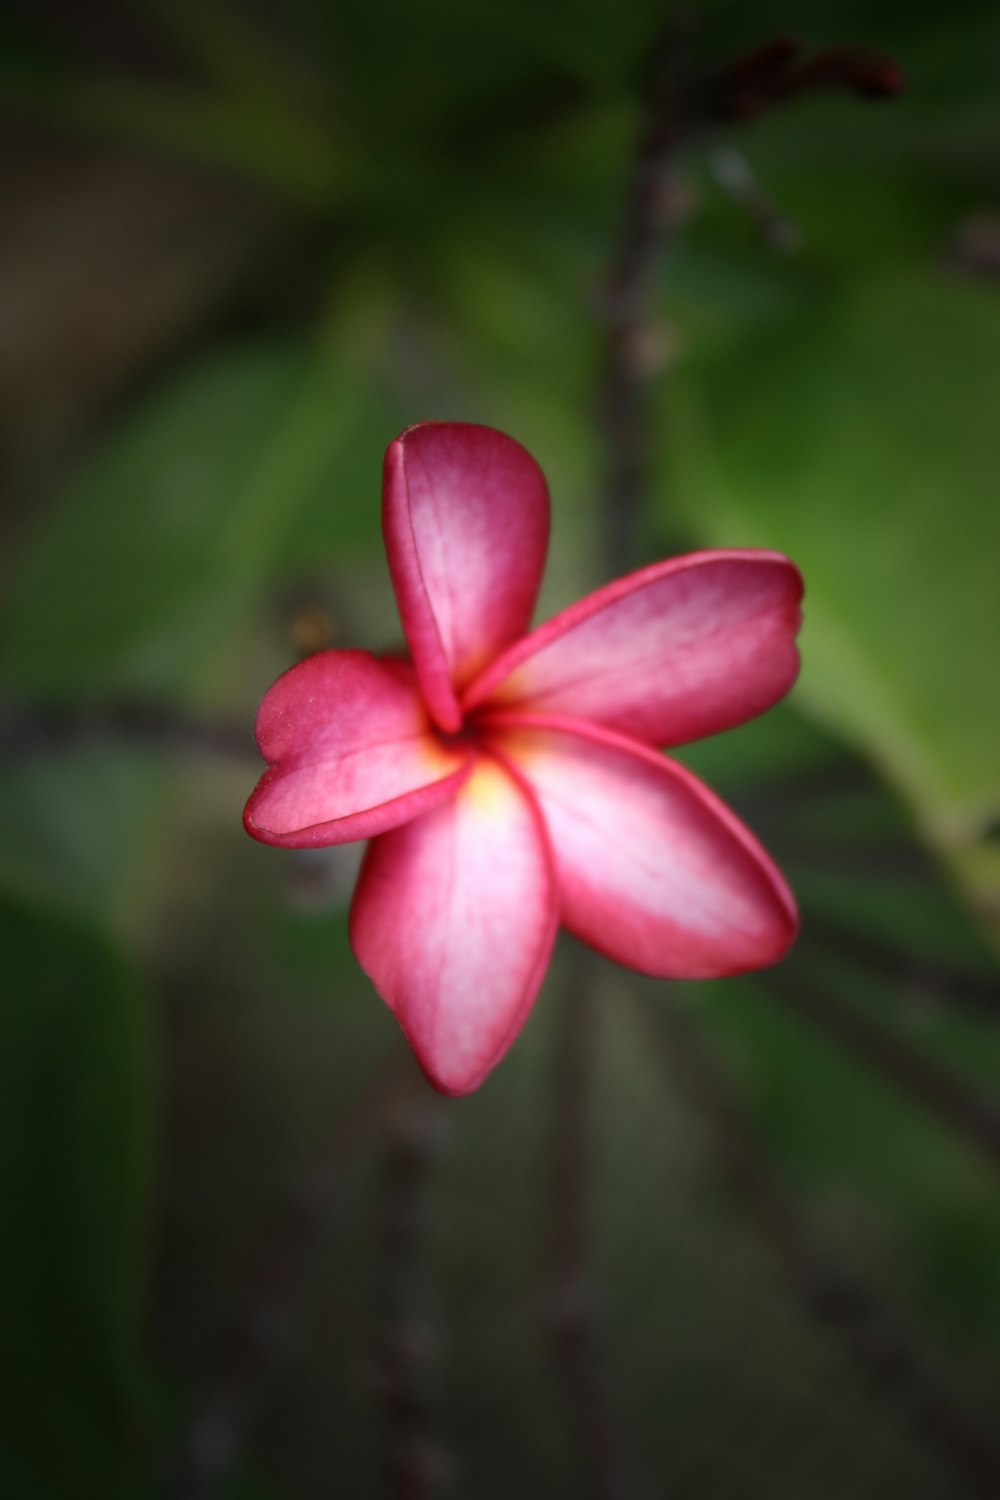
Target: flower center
<point>459,739</point>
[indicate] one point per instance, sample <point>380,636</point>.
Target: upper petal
<point>653,869</point>
<point>670,654</point>
<point>454,919</point>
<point>351,751</point>
<point>465,513</point>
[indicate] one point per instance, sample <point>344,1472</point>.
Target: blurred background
<point>690,1240</point>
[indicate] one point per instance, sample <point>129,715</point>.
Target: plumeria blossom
<point>510,781</point>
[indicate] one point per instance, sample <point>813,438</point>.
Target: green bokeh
<point>182,1022</point>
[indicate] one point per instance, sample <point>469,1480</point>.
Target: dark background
<point>696,1241</point>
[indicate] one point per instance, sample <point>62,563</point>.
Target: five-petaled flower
<point>510,782</point>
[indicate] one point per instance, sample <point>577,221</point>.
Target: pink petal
<point>351,750</point>
<point>654,870</point>
<point>670,654</point>
<point>465,513</point>
<point>454,919</point>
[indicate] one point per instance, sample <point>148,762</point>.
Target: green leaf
<point>289,154</point>
<point>228,44</point>
<point>861,442</point>
<point>163,540</point>
<point>75,1153</point>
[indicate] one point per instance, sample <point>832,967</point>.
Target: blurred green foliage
<point>76,1177</point>
<point>864,447</point>
<point>449,185</point>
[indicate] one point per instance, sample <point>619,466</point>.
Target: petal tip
<point>257,831</point>
<point>453,920</point>
<point>669,654</point>
<point>465,517</point>
<point>249,826</point>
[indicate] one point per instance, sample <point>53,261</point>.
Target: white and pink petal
<point>667,655</point>
<point>654,871</point>
<point>351,752</point>
<point>454,919</point>
<point>465,514</point>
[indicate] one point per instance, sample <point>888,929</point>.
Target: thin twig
<point>32,729</point>
<point>835,1297</point>
<point>417,1468</point>
<point>777,71</point>
<point>975,247</point>
<point>628,368</point>
<point>774,790</point>
<point>633,355</point>
<point>934,983</point>
<point>679,110</point>
<point>893,1059</point>
<point>863,858</point>
<point>675,114</point>
<point>572,1295</point>
<point>737,178</point>
<point>217,1432</point>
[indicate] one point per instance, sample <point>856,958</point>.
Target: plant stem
<point>893,1059</point>
<point>216,1434</point>
<point>572,1300</point>
<point>632,356</point>
<point>27,729</point>
<point>417,1468</point>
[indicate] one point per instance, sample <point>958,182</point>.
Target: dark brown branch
<point>632,354</point>
<point>832,1295</point>
<point>893,1059</point>
<point>33,729</point>
<point>863,858</point>
<point>777,72</point>
<point>417,1467</point>
<point>572,1297</point>
<point>677,112</point>
<point>257,1343</point>
<point>926,979</point>
<point>630,362</point>
<point>975,247</point>
<point>775,790</point>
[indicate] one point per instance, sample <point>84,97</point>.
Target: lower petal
<point>653,869</point>
<point>454,919</point>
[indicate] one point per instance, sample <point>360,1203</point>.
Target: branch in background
<point>772,74</point>
<point>737,178</point>
<point>679,111</point>
<point>924,981</point>
<point>894,1060</point>
<point>777,71</point>
<point>27,730</point>
<point>31,728</point>
<point>832,1295</point>
<point>417,1467</point>
<point>257,1344</point>
<point>633,353</point>
<point>572,1299</point>
<point>778,793</point>
<point>975,247</point>
<point>863,858</point>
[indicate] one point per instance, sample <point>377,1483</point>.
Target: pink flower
<point>510,782</point>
